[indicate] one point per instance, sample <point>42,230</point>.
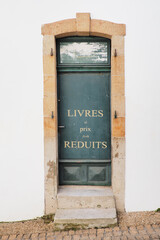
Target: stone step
<point>70,197</point>
<point>85,218</point>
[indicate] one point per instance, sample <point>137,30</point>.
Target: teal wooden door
<point>84,124</point>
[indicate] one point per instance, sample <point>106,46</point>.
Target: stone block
<point>106,29</point>
<point>50,199</point>
<point>50,150</point>
<point>85,218</point>
<point>49,106</point>
<point>117,65</point>
<point>51,173</point>
<point>118,147</point>
<point>86,202</point>
<point>118,105</point>
<point>11,237</point>
<point>83,24</point>
<point>118,181</point>
<point>118,44</point>
<point>118,172</point>
<point>61,28</point>
<point>48,43</point>
<point>49,65</point>
<point>118,127</point>
<point>117,86</point>
<point>50,159</point>
<point>85,197</point>
<point>120,201</point>
<point>50,127</point>
<point>50,86</point>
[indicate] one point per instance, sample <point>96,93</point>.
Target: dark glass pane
<point>83,52</point>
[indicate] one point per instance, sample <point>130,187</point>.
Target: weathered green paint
<point>84,120</point>
<point>91,68</point>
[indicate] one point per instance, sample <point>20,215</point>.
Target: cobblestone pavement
<point>117,233</point>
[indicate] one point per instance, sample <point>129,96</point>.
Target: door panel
<point>78,173</point>
<point>84,132</point>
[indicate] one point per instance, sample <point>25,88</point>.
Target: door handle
<point>61,127</point>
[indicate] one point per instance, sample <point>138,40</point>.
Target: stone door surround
<point>83,25</point>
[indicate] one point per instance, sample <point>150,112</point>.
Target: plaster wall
<point>21,100</point>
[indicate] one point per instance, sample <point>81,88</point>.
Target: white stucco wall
<point>21,109</point>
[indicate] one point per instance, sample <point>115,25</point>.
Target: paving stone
<point>146,237</point>
<point>92,236</point>
<point>124,228</point>
<point>117,234</point>
<point>26,236</point>
<point>71,232</point>
<point>155,226</point>
<point>59,237</point>
<point>92,231</point>
<point>148,226</point>
<point>34,236</point>
<point>51,238</point>
<point>67,237</point>
<point>100,235</point>
<point>150,230</point>
<point>84,238</point>
<point>107,238</point>
<point>12,237</point>
<point>132,238</point>
<point>50,234</point>
<point>99,238</point>
<point>78,232</point>
<point>133,231</point>
<point>158,231</point>
<point>124,238</point>
<point>126,234</point>
<point>115,238</point>
<point>42,235</point>
<point>5,237</point>
<point>141,227</point>
<point>19,237</point>
<point>154,236</point>
<point>116,229</point>
<point>64,233</point>
<point>76,237</point>
<point>138,238</point>
<point>108,234</point>
<point>100,231</point>
<point>108,229</point>
<point>85,232</point>
<point>142,232</point>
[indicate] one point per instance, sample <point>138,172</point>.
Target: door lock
<point>61,127</point>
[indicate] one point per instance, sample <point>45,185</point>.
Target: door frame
<point>83,25</point>
<point>82,69</point>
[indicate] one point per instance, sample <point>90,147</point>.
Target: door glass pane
<point>83,52</point>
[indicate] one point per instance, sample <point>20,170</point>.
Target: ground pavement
<point>150,231</point>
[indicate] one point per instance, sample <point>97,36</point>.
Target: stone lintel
<point>83,24</point>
